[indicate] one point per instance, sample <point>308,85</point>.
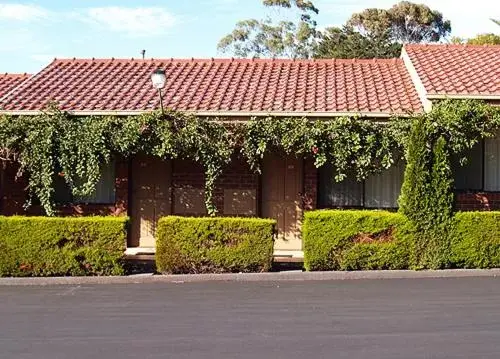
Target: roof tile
<point>213,85</point>
<point>10,81</point>
<point>457,69</point>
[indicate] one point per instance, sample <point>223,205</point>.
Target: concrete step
<point>148,254</point>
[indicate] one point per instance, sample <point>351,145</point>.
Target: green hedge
<point>354,240</point>
<point>214,245</point>
<point>475,240</point>
<point>367,256</point>
<point>364,240</point>
<point>43,246</point>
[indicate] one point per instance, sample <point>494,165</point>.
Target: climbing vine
<point>350,144</point>
<point>55,143</point>
<point>451,128</point>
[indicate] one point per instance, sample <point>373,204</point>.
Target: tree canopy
<point>481,39</point>
<point>405,22</point>
<point>346,43</point>
<point>367,34</point>
<point>268,38</point>
<point>380,33</point>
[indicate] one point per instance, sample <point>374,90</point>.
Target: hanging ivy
<point>55,143</point>
<point>451,128</point>
<point>351,145</point>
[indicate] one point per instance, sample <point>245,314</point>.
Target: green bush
<point>415,200</point>
<point>475,240</point>
<point>368,256</point>
<point>338,239</point>
<point>43,246</point>
<point>214,245</point>
<point>427,196</point>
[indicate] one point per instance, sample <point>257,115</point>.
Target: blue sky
<point>33,33</point>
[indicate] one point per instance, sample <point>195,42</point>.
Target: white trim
<point>77,113</point>
<point>417,81</point>
<point>293,114</point>
<point>462,97</point>
<point>218,114</point>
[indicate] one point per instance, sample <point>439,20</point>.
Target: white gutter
<point>462,97</point>
<point>219,114</point>
<point>292,114</point>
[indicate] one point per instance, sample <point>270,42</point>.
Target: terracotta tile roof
<point>457,69</point>
<point>10,81</point>
<point>222,85</point>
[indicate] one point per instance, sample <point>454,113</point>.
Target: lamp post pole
<point>161,101</point>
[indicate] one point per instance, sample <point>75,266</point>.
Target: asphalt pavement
<point>375,319</point>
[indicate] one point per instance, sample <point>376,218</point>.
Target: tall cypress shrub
<point>413,201</point>
<point>432,241</point>
<point>441,183</point>
<point>427,197</point>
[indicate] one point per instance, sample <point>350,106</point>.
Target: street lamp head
<point>159,79</point>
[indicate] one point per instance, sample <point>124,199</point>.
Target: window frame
<point>75,200</point>
<point>320,202</point>
<point>482,173</point>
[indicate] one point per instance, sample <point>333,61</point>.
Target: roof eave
<point>221,113</point>
<point>462,97</point>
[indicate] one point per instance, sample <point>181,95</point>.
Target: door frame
<point>299,195</point>
<point>134,200</point>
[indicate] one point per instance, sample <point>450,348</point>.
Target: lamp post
<point>159,78</point>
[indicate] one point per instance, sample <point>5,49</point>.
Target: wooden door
<point>282,185</point>
<point>151,186</point>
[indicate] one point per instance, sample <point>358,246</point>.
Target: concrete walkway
<point>254,277</point>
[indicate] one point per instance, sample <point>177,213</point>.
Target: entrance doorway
<point>282,185</point>
<point>150,200</point>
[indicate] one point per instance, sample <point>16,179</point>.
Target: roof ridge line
<point>228,60</point>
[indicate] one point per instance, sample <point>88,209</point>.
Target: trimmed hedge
<point>364,240</point>
<point>47,246</point>
<point>475,240</point>
<point>351,240</point>
<point>214,244</point>
<point>376,256</point>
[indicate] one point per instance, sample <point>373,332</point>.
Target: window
<point>103,194</point>
<point>332,194</point>
<point>482,172</point>
<point>470,176</point>
<point>377,191</point>
<point>382,190</point>
<point>492,164</point>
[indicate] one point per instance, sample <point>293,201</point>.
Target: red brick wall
<point>310,185</point>
<point>481,201</point>
<point>237,175</point>
<point>185,174</point>
<point>12,191</point>
<point>13,196</point>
